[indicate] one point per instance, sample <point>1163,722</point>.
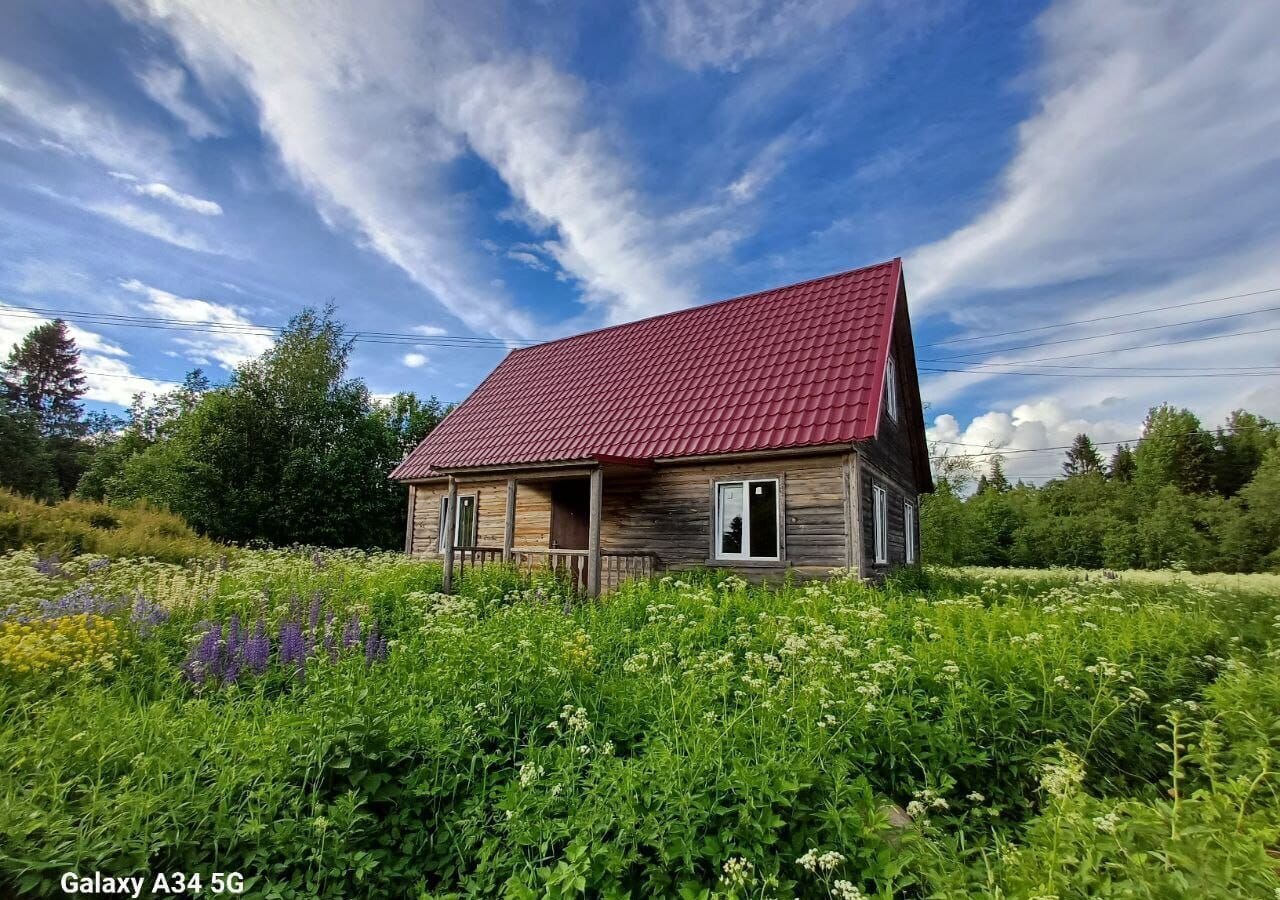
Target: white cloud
<point>108,377</point>
<point>74,126</point>
<point>162,191</point>
<point>369,125</point>
<point>524,257</point>
<point>1154,146</point>
<point>429,330</point>
<point>1028,426</point>
<point>229,347</point>
<point>167,86</point>
<point>414,360</point>
<point>725,34</point>
<point>153,224</point>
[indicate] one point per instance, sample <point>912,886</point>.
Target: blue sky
<point>521,171</point>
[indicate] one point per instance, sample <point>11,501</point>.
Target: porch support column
<point>509,536</point>
<point>593,532</point>
<point>408,528</point>
<point>450,514</point>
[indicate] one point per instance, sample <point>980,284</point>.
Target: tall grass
<point>944,735</point>
<point>81,526</point>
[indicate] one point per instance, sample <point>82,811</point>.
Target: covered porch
<point>552,520</point>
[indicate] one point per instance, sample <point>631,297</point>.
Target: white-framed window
<point>747,520</point>
<point>464,526</point>
<point>909,529</point>
<point>891,388</point>
<point>880,503</point>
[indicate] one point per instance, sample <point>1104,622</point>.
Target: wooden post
<point>509,536</point>
<point>857,551</point>
<point>450,516</point>
<point>593,532</point>
<point>408,528</point>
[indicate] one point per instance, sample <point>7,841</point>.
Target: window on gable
<point>891,388</point>
<point>880,529</point>
<point>464,527</point>
<point>909,527</point>
<point>746,519</point>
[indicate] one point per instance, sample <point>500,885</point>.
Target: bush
<point>82,526</point>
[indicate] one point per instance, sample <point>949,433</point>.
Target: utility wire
<point>1003,451</point>
<point>1095,337</point>
<point>1136,312</point>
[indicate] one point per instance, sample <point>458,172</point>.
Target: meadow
<point>328,724</point>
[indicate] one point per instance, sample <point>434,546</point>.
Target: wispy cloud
<point>153,224</point>
<point>725,34</point>
<point>1155,146</point>
<point>228,347</point>
<point>167,85</point>
<point>162,191</point>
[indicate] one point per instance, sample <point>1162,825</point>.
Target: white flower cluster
<point>846,890</point>
<point>529,773</point>
<point>738,873</point>
<point>1061,777</point>
<point>827,861</point>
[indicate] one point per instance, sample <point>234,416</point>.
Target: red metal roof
<point>795,366</point>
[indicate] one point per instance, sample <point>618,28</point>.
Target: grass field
<point>328,725</point>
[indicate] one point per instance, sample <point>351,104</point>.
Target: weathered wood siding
<point>533,514</point>
<point>669,510</point>
<point>890,461</point>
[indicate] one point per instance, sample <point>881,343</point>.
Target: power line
<point>1137,312</point>
<point>1003,451</point>
<point>1096,337</point>
<point>1084,375</point>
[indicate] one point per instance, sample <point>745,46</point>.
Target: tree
<point>1082,458</point>
<point>25,465</point>
<point>1122,466</point>
<point>1174,450</point>
<point>289,451</point>
<point>998,480</point>
<point>1239,450</point>
<point>42,376</point>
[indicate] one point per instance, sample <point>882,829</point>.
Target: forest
<point>1182,497</point>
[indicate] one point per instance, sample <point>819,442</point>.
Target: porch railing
<point>616,566</point>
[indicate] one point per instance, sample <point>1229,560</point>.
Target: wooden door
<point>570,513</point>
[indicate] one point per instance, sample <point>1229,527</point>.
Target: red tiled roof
<point>796,366</point>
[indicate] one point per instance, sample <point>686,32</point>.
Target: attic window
<point>746,519</point>
<point>891,388</point>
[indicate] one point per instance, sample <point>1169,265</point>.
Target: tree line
<point>1182,497</point>
<point>289,450</point>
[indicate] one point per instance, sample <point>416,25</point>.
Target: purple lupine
<point>146,615</point>
<point>318,561</point>
<point>293,647</point>
<point>257,649</point>
<point>371,645</point>
<point>50,565</point>
<point>351,634</point>
<point>233,651</point>
<point>98,565</point>
<point>80,601</point>
<point>313,620</point>
<point>203,661</point>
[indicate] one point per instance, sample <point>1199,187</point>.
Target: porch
<point>551,521</point>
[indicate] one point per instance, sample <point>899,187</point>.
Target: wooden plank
<point>509,534</point>
<point>593,532</point>
<point>408,525</point>
<point>450,513</point>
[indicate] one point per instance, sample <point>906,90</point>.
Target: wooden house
<point>776,431</point>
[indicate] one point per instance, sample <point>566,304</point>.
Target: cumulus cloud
<point>725,34</point>
<point>109,378</point>
<point>229,346</point>
<point>167,85</point>
<point>414,360</point>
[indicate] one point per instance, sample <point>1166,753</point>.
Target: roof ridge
<point>690,309</point>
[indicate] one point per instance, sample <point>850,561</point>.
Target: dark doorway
<point>570,512</point>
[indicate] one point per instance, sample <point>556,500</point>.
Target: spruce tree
<point>1122,464</point>
<point>1082,458</point>
<point>998,479</point>
<point>42,378</point>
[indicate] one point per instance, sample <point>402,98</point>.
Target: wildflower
<point>829,860</point>
<point>974,797</point>
<point>1108,822</point>
<point>845,890</point>
<point>1062,776</point>
<point>529,773</point>
<point>738,873</point>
